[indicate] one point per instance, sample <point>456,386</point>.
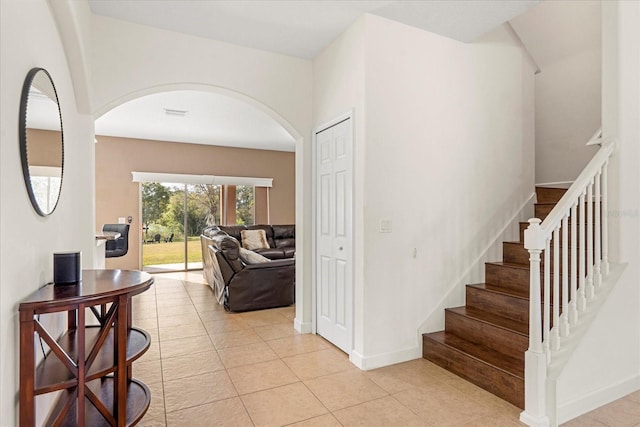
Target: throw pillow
<point>250,257</point>
<point>254,239</point>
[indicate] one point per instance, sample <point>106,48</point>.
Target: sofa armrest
<point>276,263</point>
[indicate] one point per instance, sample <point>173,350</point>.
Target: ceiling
<point>208,118</point>
<point>300,28</point>
<point>558,29</point>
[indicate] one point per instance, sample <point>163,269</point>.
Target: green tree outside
<point>245,203</point>
<point>155,198</point>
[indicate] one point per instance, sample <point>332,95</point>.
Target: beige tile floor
<point>207,367</point>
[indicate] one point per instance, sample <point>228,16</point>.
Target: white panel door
<point>334,302</point>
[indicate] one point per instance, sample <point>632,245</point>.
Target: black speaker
<point>67,268</point>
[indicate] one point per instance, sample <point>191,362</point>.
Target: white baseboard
<point>380,360</point>
<point>302,327</point>
<point>591,401</point>
<point>533,421</point>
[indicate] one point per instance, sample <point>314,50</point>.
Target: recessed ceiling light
<point>174,112</point>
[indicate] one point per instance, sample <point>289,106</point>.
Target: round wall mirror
<point>41,141</point>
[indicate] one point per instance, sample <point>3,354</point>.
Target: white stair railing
<point>574,241</point>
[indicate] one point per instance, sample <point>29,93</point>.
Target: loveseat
<point>241,282</point>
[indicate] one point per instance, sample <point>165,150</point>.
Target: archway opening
<point>187,132</point>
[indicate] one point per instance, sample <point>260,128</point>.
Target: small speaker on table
<point>67,268</point>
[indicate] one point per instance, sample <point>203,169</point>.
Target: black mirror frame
<point>24,100</point>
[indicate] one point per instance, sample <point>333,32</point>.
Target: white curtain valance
<point>178,178</point>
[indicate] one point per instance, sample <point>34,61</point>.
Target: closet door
<point>333,205</point>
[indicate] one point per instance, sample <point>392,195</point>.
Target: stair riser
<point>509,342</point>
<point>542,210</point>
<point>523,226</point>
<point>496,381</point>
<point>515,253</point>
<point>507,278</point>
<point>499,304</point>
<point>549,195</point>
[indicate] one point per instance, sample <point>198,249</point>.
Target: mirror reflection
<point>41,141</point>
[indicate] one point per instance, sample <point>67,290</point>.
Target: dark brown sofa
<point>240,286</point>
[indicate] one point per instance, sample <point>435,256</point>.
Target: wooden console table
<point>90,364</point>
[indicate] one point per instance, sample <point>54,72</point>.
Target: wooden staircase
<point>485,340</point>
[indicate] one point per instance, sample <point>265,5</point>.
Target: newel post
<point>535,362</point>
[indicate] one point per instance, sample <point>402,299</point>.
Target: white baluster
<point>564,270</point>
<point>582,274</point>
<point>590,289</point>
<point>605,219</point>
<point>546,319</point>
<point>597,276</point>
<point>555,331</point>
<point>573,309</point>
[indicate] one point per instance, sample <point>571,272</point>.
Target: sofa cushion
<point>289,252</point>
<point>251,257</point>
<point>268,231</point>
<point>271,253</point>
<point>230,247</point>
<point>284,231</point>
<point>286,243</point>
<point>254,239</point>
<point>233,230</point>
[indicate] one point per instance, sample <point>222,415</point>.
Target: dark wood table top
<point>95,285</point>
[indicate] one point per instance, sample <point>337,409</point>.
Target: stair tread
<point>486,355</point>
<point>524,294</point>
<point>493,319</point>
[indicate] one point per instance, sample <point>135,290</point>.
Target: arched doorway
<point>185,130</point>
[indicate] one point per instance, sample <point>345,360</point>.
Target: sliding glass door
<point>245,204</point>
<point>173,217</point>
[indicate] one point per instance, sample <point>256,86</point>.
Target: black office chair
<point>120,246</point>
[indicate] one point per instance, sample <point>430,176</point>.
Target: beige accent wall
<point>117,196</point>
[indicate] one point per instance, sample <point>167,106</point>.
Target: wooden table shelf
<point>137,403</point>
<point>91,364</point>
<point>52,374</point>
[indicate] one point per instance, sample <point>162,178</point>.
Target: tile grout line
<point>164,401</point>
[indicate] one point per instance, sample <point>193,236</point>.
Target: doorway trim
<point>349,115</point>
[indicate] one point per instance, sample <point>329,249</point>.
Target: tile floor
<point>207,367</point>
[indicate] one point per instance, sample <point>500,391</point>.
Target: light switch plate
<point>122,220</point>
<point>386,225</point>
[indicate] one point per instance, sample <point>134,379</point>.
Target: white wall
<point>563,38</point>
<point>338,87</point>
<point>449,159</point>
<point>568,101</point>
<point>29,38</point>
<point>606,366</point>
<point>445,152</point>
<point>131,60</point>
